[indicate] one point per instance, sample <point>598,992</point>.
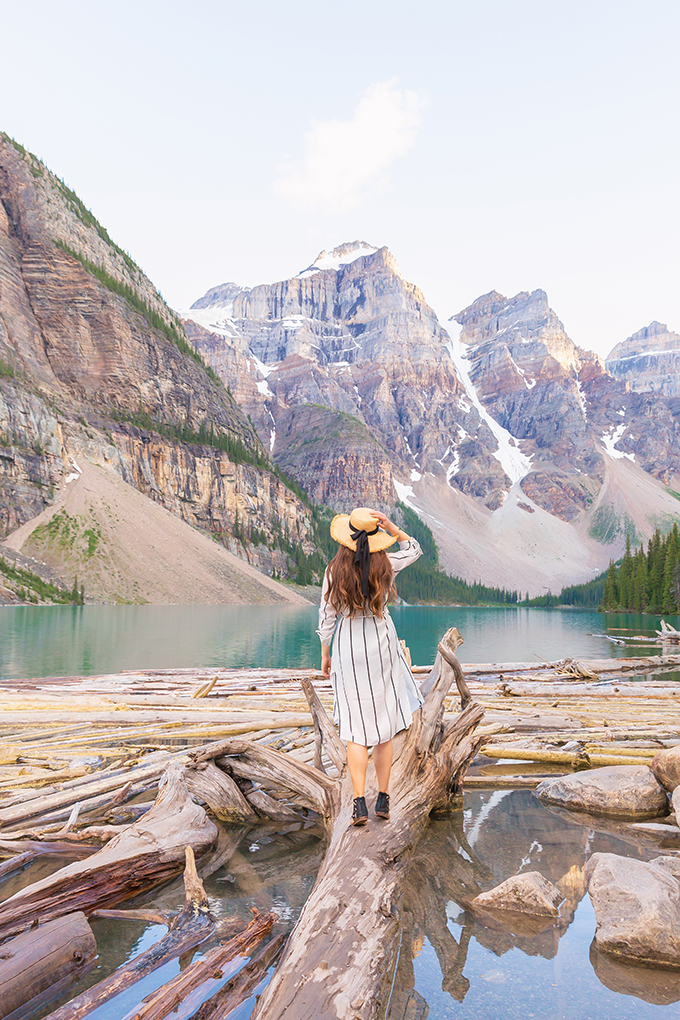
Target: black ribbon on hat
<point>362,557</point>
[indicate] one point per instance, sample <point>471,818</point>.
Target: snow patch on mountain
<point>610,439</point>
<point>341,256</point>
<point>515,463</point>
<point>404,494</point>
<point>263,369</point>
<point>216,320</point>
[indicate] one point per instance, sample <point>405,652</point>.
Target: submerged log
<point>242,985</point>
<point>187,929</point>
<point>203,973</point>
<point>49,956</point>
<point>141,856</point>
<point>340,958</point>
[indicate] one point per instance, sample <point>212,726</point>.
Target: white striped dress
<point>375,693</point>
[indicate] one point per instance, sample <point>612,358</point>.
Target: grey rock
<point>528,893</point>
<point>663,830</point>
<point>618,791</point>
<point>669,864</point>
<point>637,909</point>
<point>666,767</point>
<point>648,361</point>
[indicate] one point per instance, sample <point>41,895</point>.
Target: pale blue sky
<point>507,144</point>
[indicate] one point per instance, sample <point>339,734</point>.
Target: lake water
<point>451,965</point>
<point>86,640</point>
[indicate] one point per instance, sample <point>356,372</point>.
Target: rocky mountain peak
<point>650,339</point>
<point>648,360</point>
<point>525,325</point>
<point>343,255</point>
<point>221,298</point>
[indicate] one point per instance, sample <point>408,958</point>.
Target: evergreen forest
<point>646,582</point>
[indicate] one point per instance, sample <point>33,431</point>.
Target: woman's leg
<point>357,763</point>
<point>382,759</point>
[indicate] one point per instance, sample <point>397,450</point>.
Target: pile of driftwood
<point>668,633</point>
<point>134,774</point>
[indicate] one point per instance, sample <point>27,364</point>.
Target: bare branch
<point>263,764</point>
<point>427,724</point>
<point>326,733</point>
<point>194,893</point>
<point>452,660</point>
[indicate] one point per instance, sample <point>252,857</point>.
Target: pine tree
<point>655,564</point>
<point>610,596</point>
<point>625,578</point>
<point>640,594</point>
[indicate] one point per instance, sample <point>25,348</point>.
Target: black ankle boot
<point>360,812</point>
<point>382,805</point>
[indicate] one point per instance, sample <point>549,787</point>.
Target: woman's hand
<point>387,525</point>
<point>383,520</point>
<point>325,661</point>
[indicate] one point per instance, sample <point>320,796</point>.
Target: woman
<point>375,693</point>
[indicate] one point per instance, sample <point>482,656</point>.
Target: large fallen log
<point>141,856</point>
<point>340,959</point>
<point>49,956</point>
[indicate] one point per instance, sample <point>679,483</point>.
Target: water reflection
<point>455,964</point>
<point>451,962</point>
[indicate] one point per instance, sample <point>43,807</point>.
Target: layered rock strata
<point>649,360</point>
<point>94,365</point>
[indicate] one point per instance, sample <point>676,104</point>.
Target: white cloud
<point>343,156</point>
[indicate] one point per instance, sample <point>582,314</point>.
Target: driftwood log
<point>139,857</point>
<point>45,959</point>
<point>242,985</point>
<point>340,958</point>
<point>191,926</point>
<point>188,988</point>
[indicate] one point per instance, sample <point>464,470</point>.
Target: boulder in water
<point>637,908</point>
<point>618,791</point>
<point>529,893</point>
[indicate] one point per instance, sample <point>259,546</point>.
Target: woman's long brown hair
<point>344,591</point>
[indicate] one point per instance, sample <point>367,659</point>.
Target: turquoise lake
<point>87,640</point>
<point>450,965</point>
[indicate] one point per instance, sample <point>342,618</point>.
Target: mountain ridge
<point>95,368</point>
<point>511,415</point>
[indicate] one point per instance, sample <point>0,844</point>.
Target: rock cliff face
<point>94,365</point>
<point>508,433</point>
<point>649,360</point>
<point>568,413</point>
<point>351,335</point>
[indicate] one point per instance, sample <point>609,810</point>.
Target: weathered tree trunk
<point>141,856</point>
<point>340,959</point>
<point>44,958</point>
<point>187,929</point>
<point>192,983</point>
<point>242,985</point>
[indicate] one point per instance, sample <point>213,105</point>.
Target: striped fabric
<point>375,693</point>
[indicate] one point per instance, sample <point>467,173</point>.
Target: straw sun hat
<point>360,519</point>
